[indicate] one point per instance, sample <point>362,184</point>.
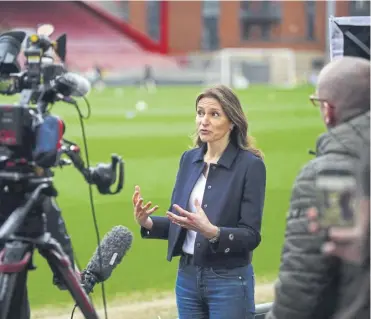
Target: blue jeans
<point>207,293</point>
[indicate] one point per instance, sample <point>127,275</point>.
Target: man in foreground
<point>352,245</point>
<point>312,284</point>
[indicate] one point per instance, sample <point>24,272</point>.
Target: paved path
<point>163,308</point>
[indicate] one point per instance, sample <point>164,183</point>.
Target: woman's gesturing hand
<point>197,221</point>
<point>142,213</point>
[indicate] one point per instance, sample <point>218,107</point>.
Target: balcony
<point>359,8</point>
<point>270,15</point>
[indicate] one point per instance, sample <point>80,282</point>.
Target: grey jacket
<point>310,284</point>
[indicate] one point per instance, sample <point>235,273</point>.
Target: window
<point>119,9</point>
<point>245,5</point>
<point>257,19</point>
<point>266,5</point>
<point>245,25</point>
<point>153,19</point>
<point>125,9</point>
<point>210,21</point>
<point>211,8</point>
<point>251,32</point>
<point>210,36</point>
<point>310,11</point>
<point>359,8</point>
<point>266,31</point>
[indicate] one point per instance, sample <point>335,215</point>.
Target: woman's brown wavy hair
<point>232,107</point>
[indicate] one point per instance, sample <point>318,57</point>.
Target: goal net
<point>239,67</point>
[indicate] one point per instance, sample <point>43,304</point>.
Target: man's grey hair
<point>345,84</point>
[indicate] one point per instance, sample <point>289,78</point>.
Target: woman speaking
<point>216,213</point>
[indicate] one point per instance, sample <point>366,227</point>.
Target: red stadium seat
<point>90,39</point>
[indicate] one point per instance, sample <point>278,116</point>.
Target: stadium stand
<point>90,39</point>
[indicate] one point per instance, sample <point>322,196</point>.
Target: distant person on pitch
<point>98,81</point>
<point>148,81</point>
<point>215,216</point>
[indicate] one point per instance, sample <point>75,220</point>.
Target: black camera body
<point>17,132</point>
<point>40,68</point>
<point>31,138</point>
<point>31,144</point>
<point>19,123</point>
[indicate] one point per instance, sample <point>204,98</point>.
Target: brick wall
<point>185,25</point>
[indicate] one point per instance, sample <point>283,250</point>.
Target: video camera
<point>31,144</point>
<point>31,138</point>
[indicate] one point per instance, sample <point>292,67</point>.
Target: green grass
<point>283,122</point>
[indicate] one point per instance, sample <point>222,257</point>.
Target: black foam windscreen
<point>114,246</point>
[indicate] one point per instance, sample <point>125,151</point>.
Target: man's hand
<point>197,221</point>
<point>344,242</point>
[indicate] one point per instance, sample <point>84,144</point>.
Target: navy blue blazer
<point>233,200</point>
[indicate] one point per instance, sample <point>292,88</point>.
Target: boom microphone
<point>113,248</point>
<point>72,84</point>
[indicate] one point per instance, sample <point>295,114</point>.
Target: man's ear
<point>329,114</point>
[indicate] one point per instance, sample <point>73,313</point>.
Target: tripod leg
<point>62,267</point>
<point>20,307</point>
<point>13,280</point>
<point>7,285</point>
<point>57,227</point>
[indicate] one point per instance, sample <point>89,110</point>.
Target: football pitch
<point>283,121</point>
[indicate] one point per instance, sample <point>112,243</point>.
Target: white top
<point>197,192</point>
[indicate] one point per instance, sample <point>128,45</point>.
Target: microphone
<point>311,152</point>
<point>113,248</point>
<point>72,84</point>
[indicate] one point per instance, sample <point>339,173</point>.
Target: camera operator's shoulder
<point>310,169</point>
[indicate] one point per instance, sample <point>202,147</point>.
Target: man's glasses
<point>316,101</point>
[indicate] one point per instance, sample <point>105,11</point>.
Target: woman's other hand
<point>197,221</point>
<point>142,213</point>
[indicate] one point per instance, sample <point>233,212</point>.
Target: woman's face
<point>211,121</point>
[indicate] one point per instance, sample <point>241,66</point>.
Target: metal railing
<point>262,309</point>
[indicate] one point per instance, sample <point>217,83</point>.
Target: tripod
<point>16,256</point>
